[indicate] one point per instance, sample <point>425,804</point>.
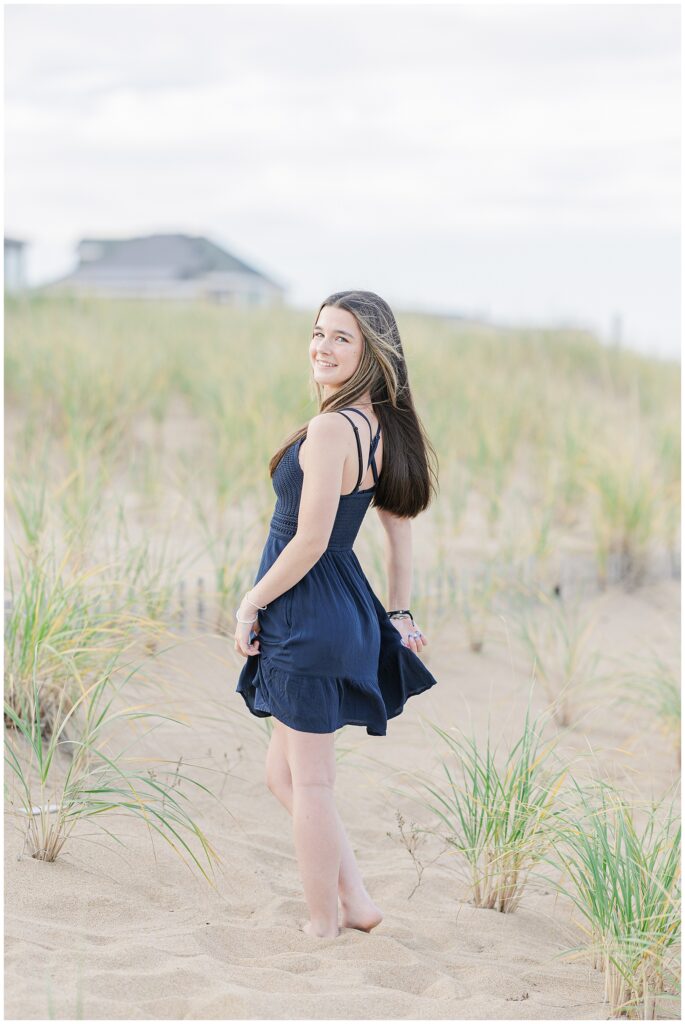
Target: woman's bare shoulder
<point>327,424</point>
<point>326,432</point>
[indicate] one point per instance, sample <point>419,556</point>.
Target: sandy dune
<point>115,932</point>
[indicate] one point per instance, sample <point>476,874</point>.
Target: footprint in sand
<point>235,942</point>
<point>296,963</point>
<point>415,979</point>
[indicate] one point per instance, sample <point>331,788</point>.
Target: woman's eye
<point>339,337</point>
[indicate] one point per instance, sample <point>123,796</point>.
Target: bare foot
<point>362,914</point>
<point>307,928</point>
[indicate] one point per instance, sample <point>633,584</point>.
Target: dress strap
<point>374,444</point>
<point>359,449</point>
<point>374,440</point>
<point>372,456</point>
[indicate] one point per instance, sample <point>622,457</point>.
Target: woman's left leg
<point>358,909</point>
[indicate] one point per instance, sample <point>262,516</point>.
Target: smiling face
<point>336,340</point>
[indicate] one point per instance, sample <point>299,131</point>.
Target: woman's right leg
<point>358,909</point>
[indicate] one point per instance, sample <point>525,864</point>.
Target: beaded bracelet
<point>401,613</point>
<point>259,606</point>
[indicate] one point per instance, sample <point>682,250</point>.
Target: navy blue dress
<point>330,656</point>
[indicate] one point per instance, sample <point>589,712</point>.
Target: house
<point>15,271</point>
<point>167,267</point>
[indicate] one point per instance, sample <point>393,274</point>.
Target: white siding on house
<point>15,271</point>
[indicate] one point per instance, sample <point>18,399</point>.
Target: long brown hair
<point>407,480</point>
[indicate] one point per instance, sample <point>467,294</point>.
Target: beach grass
<point>138,437</point>
<point>494,809</point>
<point>83,771</point>
<point>560,641</point>
<point>621,870</point>
<point>527,425</point>
<point>652,683</point>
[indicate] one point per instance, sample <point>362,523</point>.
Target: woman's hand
<point>405,629</point>
<point>243,630</point>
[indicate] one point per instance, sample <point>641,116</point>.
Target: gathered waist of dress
<point>342,537</point>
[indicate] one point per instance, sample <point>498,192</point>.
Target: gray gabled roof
<point>170,256</point>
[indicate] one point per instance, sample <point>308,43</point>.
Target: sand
<point>129,932</point>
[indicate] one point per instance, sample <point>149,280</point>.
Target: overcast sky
<point>520,162</point>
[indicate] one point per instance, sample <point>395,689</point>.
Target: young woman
<point>328,652</point>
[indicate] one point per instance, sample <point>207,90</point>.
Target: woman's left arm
<point>399,562</point>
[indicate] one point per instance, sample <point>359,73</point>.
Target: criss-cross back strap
<point>374,442</point>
